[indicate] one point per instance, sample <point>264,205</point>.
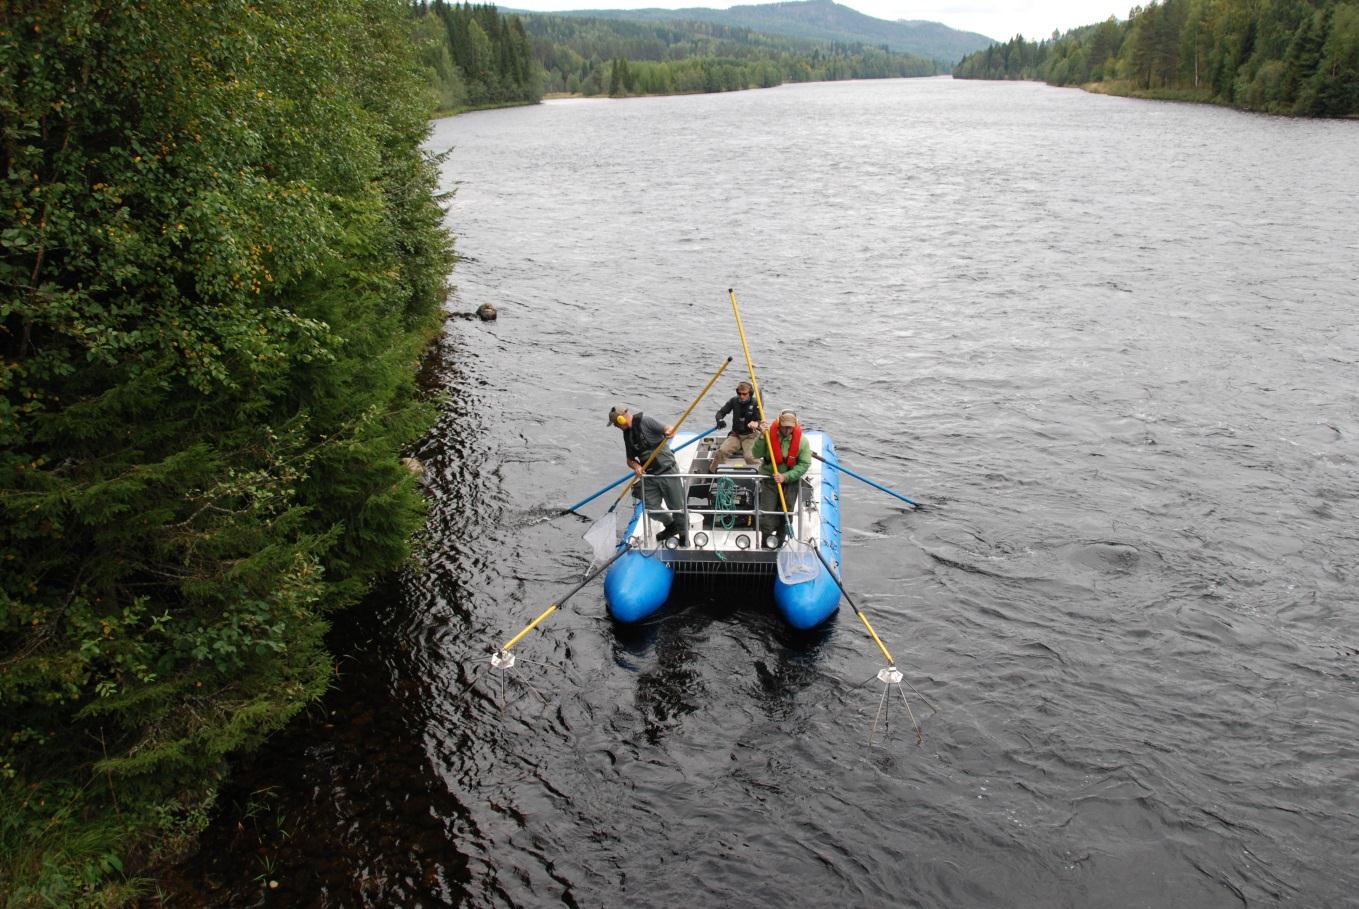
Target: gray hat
<point>787,418</point>
<point>616,411</point>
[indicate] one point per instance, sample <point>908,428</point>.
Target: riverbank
<point>441,113</point>
<point>1188,96</point>
<point>270,841</point>
<point>1127,90</point>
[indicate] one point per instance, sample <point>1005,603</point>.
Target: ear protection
<point>620,420</point>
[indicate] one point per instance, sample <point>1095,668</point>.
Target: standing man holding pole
<point>643,439</point>
<point>785,467</point>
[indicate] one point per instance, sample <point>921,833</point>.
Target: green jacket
<point>790,474</point>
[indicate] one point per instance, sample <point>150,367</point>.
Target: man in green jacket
<point>794,456</point>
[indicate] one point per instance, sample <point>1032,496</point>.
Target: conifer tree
<point>221,260</point>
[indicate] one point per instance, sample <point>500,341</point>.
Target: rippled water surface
<point>1112,345</point>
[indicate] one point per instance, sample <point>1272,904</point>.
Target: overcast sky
<point>999,19</point>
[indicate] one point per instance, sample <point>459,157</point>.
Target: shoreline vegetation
<point>1292,57</point>
<point>224,259</point>
<point>476,58</point>
<point>1179,96</point>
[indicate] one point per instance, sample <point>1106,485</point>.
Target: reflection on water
<point>667,654</point>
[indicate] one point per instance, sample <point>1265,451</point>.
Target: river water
<point>1111,345</point>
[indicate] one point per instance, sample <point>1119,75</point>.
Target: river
<point>1111,344</point>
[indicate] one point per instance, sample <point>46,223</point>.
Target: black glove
<point>721,423</point>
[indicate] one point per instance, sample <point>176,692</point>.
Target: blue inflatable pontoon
<point>722,513</point>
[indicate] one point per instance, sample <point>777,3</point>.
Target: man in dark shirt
<point>661,489</point>
<point>745,427</point>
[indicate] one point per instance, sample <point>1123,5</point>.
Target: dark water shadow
<point>784,661</point>
<point>341,807</point>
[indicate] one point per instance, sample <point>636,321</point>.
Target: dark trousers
<point>771,518</point>
<point>662,490</point>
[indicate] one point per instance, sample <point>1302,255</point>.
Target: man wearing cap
<point>793,455</point>
<point>745,427</point>
<point>661,490</point>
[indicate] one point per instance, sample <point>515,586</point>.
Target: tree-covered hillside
<point>473,56</point>
<point>606,56</point>
<point>221,260</point>
<point>822,21</point>
<point>1296,57</point>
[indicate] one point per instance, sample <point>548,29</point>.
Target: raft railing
<point>651,520</point>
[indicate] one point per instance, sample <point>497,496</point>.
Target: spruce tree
<point>221,260</point>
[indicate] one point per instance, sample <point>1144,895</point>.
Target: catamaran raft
<point>722,514</point>
<point>715,530</point>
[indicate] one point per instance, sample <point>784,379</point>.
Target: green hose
<point>724,500</point>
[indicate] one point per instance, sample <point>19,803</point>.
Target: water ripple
<point>1110,343</point>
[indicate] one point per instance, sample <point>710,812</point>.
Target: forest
<point>474,56</point>
<point>822,21</point>
<point>615,57</point>
<point>1296,57</point>
<point>222,259</point>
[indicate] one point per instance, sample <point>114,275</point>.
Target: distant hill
<point>816,20</point>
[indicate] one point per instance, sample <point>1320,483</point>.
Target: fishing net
<point>797,562</point>
<point>603,536</point>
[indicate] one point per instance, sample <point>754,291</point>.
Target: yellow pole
<point>657,450</point>
<point>553,608</point>
<point>773,452</point>
<point>759,403</point>
<point>857,611</point>
<point>877,640</point>
<point>531,625</point>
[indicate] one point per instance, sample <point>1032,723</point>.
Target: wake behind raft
<point>722,513</point>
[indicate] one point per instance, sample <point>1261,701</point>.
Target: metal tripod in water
<point>889,675</point>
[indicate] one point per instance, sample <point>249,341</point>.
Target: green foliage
<point>617,57</point>
<point>479,58</point>
<point>220,261</point>
<point>1296,57</point>
<point>447,90</point>
<point>473,56</point>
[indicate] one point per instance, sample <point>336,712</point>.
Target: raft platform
<point>722,513</point>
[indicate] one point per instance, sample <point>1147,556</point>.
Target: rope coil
<point>724,501</point>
